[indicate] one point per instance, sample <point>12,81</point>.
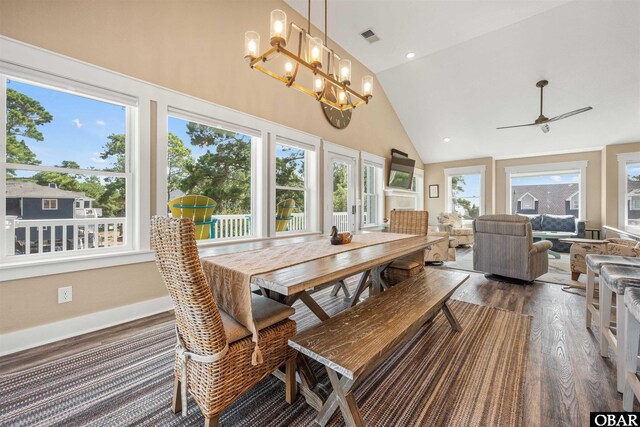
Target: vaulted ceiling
<point>477,63</point>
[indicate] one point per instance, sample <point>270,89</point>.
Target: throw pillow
<point>566,223</point>
<point>536,221</point>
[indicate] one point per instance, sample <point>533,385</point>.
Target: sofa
<point>451,223</point>
<point>504,246</point>
<point>564,223</point>
<point>619,247</point>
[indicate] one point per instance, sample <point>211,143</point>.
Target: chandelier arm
<point>346,88</point>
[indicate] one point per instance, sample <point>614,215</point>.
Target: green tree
<point>223,172</point>
<point>24,115</point>
<point>457,189</point>
<point>64,181</point>
<point>340,186</point>
<point>180,162</point>
<point>290,173</point>
<point>113,198</point>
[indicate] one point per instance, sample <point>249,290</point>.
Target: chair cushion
<point>266,312</point>
<point>558,223</point>
<point>632,302</point>
<point>402,264</point>
<point>619,277</point>
<point>595,261</point>
<point>462,231</point>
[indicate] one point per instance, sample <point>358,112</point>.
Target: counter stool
<point>594,264</point>
<point>615,279</point>
<point>632,336</point>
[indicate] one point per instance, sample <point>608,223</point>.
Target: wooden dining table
<point>299,281</point>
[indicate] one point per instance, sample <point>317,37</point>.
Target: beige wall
<point>609,199</point>
<point>194,47</point>
<point>434,174</point>
<point>593,180</point>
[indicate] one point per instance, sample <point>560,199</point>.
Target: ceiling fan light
<point>545,128</point>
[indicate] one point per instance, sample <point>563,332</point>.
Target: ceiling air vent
<point>370,36</point>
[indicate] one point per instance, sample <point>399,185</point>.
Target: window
<point>49,204</point>
<point>213,162</point>
<point>69,144</point>
<point>291,188</point>
<point>372,189</point>
<point>629,191</point>
<point>527,202</point>
<point>557,188</point>
<point>417,186</point>
<point>465,191</point>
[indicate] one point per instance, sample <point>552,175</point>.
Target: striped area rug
<point>439,378</point>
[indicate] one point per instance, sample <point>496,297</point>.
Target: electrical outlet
<point>65,295</point>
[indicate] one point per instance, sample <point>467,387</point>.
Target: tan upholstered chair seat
<point>462,231</point>
<point>266,312</point>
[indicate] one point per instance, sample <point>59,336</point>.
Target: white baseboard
<point>23,339</point>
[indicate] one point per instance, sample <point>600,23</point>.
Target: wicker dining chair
<point>213,367</point>
<point>406,222</point>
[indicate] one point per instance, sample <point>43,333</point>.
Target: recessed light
<point>410,55</point>
<point>447,139</point>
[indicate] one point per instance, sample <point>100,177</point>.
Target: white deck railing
<point>62,235</point>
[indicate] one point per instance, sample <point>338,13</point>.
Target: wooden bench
<point>353,343</point>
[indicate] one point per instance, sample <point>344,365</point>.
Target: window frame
<point>49,208</point>
<point>572,198</point>
<point>311,145</point>
<point>378,164</point>
<point>22,62</point>
<point>467,170</point>
<point>623,160</point>
<point>256,143</point>
<point>559,168</point>
<point>533,201</point>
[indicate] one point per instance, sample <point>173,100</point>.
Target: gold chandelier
<point>330,80</point>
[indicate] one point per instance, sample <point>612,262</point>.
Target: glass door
<point>341,194</point>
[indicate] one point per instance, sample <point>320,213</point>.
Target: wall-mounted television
<point>401,170</point>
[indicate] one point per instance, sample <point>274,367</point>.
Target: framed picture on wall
<point>434,191</point>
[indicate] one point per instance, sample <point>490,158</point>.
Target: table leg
<point>362,285</point>
<point>554,254</point>
<point>313,305</point>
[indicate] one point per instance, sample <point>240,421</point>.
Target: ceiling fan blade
<point>516,126</point>
<point>569,114</point>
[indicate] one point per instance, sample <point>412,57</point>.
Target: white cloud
<point>96,159</point>
<point>77,123</point>
<point>556,178</point>
<point>100,123</point>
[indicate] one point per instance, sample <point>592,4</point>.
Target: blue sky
<point>471,186</point>
<point>79,128</point>
<point>633,169</point>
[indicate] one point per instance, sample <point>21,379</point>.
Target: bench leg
<point>455,325</point>
<point>345,289</point>
<point>346,401</point>
<point>336,289</point>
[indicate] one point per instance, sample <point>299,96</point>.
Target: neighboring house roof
<point>25,189</point>
<point>571,196</point>
<point>522,197</point>
<point>551,197</point>
<point>633,187</point>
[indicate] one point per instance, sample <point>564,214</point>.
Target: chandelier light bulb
<point>288,70</point>
<point>315,52</point>
<point>345,71</point>
<point>278,27</point>
<point>367,86</point>
<point>342,97</point>
<point>251,45</point>
<point>318,85</point>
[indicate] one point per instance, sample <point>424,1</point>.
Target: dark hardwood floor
<point>566,376</point>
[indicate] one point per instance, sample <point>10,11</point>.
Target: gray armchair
<point>504,246</point>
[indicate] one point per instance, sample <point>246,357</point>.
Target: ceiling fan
<point>544,121</point>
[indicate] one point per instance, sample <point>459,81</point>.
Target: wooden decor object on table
<point>216,372</point>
